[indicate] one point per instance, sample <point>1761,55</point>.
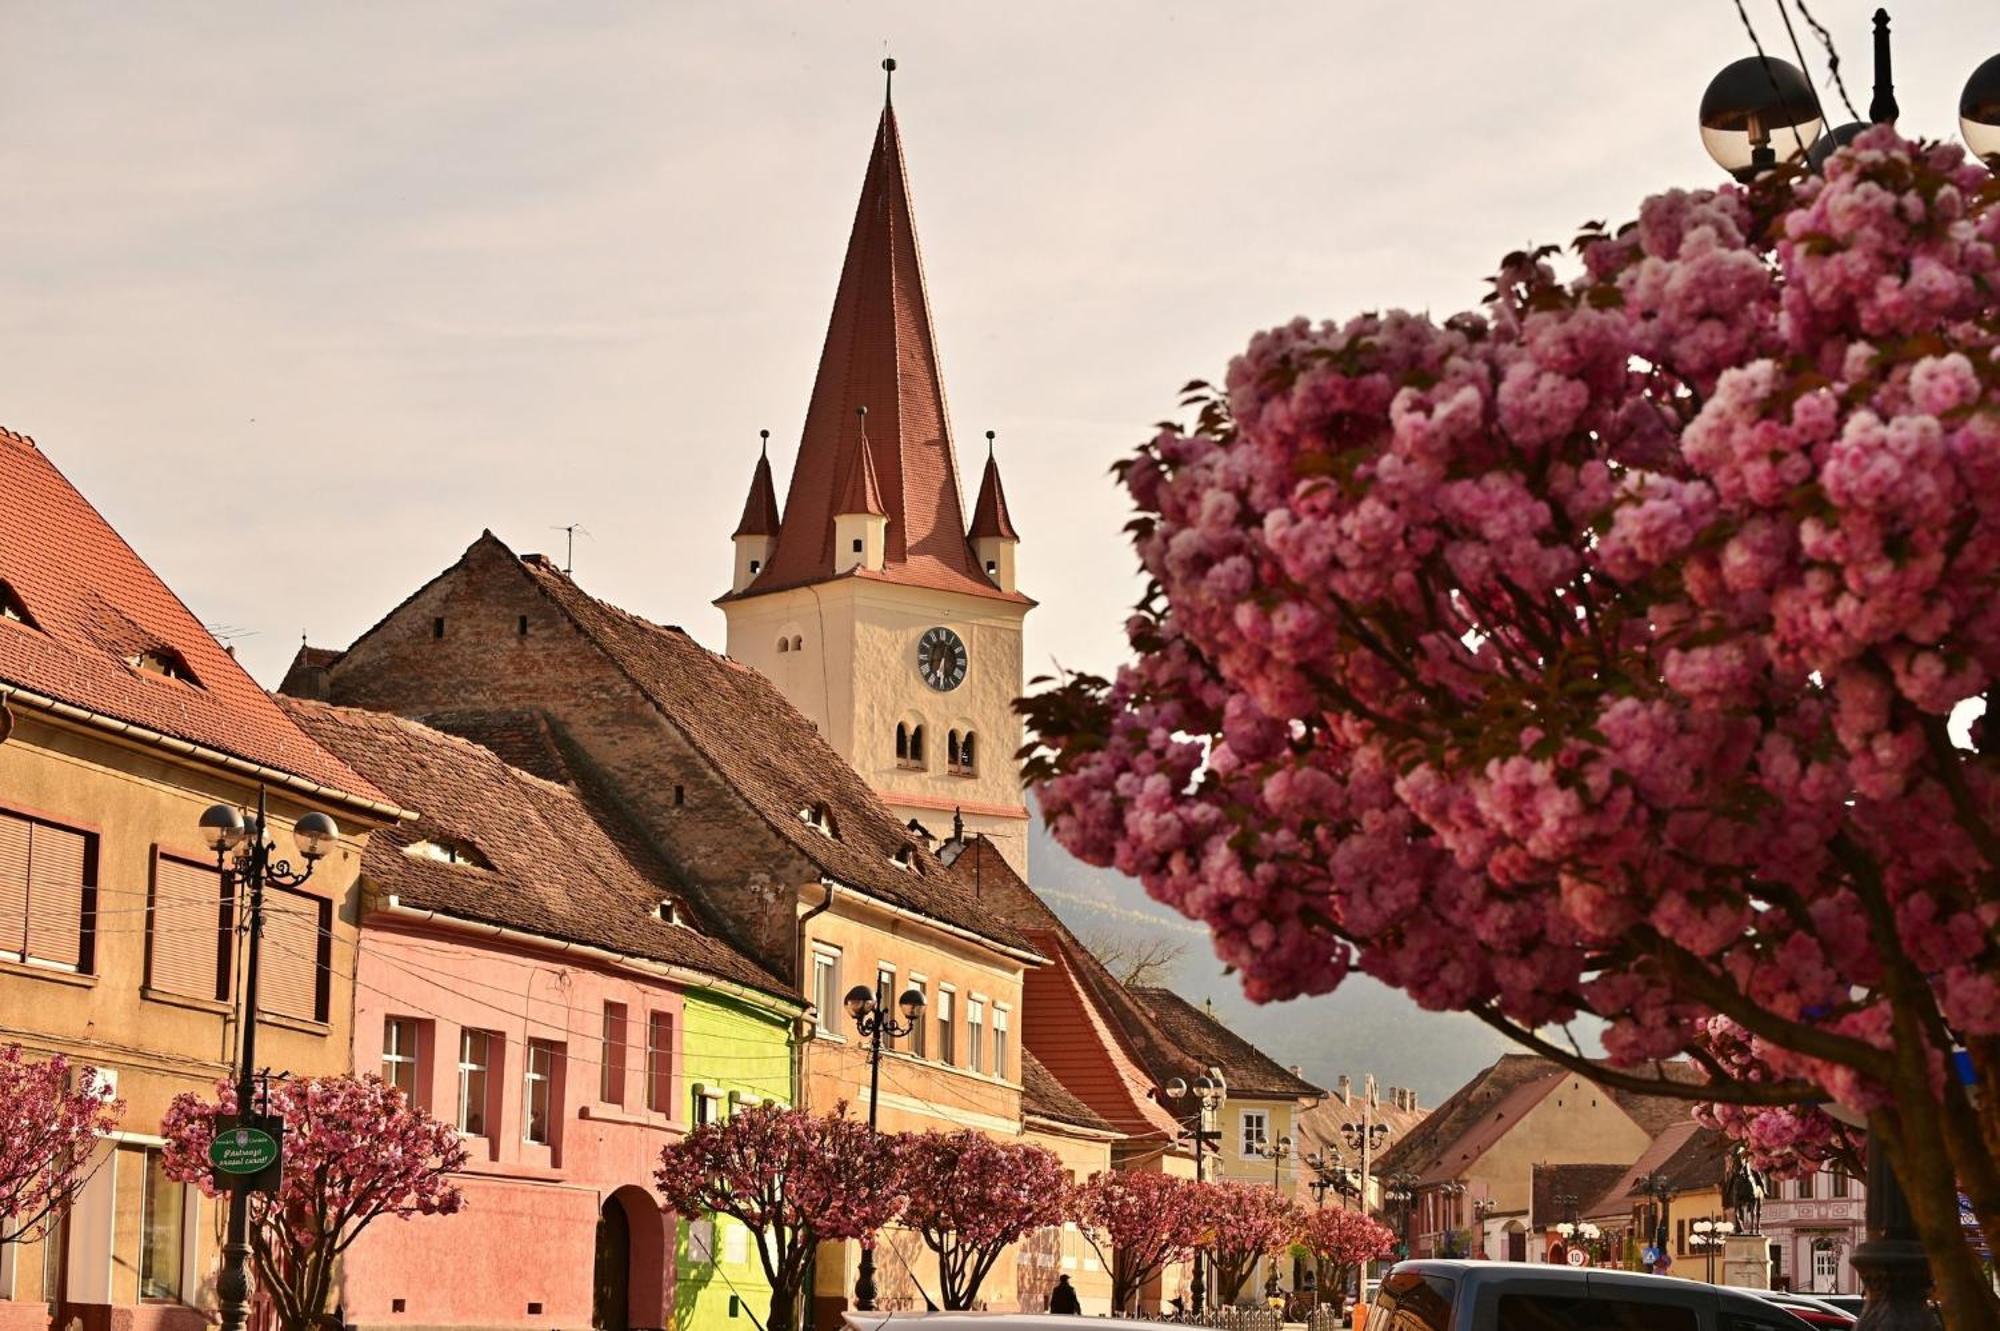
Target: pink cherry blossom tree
<point>1607,651</point>
<point>972,1198</point>
<point>355,1150</point>
<point>794,1179</point>
<point>1340,1241</point>
<point>1139,1224</point>
<point>1247,1221</point>
<point>50,1121</point>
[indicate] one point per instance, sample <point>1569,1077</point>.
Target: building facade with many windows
<point>121,720</point>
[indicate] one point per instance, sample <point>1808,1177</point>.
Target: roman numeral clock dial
<point>941,659</point>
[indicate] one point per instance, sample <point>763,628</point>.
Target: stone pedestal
<point>1746,1261</point>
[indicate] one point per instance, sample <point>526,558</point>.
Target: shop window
<point>162,1235</point>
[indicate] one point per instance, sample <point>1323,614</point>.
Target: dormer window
<point>905,857</point>
<point>446,851</point>
<point>671,911</point>
<point>163,661</point>
<point>13,607</point>
<point>820,819</point>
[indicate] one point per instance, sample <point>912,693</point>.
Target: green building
<point>735,1052</point>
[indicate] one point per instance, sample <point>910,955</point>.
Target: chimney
<point>1345,1089</point>
<point>1297,1070</point>
<point>1373,1098</point>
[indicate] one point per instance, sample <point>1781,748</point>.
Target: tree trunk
<point>783,1315</point>
<point>1921,1162</point>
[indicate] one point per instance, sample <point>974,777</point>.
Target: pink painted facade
<point>524,1251</point>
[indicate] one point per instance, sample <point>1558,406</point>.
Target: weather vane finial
<point>765,447</point>
<point>888,79</point>
<point>989,445</point>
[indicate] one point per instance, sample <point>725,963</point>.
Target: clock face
<point>941,659</point>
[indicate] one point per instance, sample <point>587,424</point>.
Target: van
<point>1521,1296</point>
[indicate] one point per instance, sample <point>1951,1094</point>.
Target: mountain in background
<point>1363,1027</point>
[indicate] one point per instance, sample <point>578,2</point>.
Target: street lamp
<point>1759,112</point>
<point>1277,1153</point>
<point>1400,1188</point>
<point>874,1025</point>
<point>1329,1172</point>
<point>244,855</point>
<point>1209,1091</point>
<point>1709,1234</point>
<point>1365,1135</point>
<point>1656,1186</point>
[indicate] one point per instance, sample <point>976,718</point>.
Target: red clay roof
<point>989,512</point>
<point>1247,1071</point>
<point>96,607</point>
<point>560,868</point>
<point>880,353</point>
<point>1045,1097</point>
<point>1688,1156</point>
<point>760,508</point>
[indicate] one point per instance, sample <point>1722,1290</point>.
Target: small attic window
<point>163,661</point>
<point>672,911</point>
<point>756,565</point>
<point>905,857</point>
<point>448,852</point>
<point>13,607</point>
<point>784,644</point>
<point>992,567</point>
<point>820,819</point>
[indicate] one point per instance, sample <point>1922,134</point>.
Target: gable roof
<point>1084,1026</point>
<point>1318,1130</point>
<point>774,758</point>
<point>880,353</point>
<point>1502,1086</point>
<point>1045,1097</point>
<point>97,609</point>
<point>559,867</point>
<point>1246,1070</point>
<point>1582,1184</point>
<point>1688,1156</point>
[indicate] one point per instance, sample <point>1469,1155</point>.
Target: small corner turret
<point>756,533</point>
<point>860,520</point>
<point>992,533</point>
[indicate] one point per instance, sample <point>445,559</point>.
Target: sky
<point>305,296</point>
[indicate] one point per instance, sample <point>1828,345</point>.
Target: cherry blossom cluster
<point>1607,651</point>
<point>1342,1239</point>
<point>1140,1223</point>
<point>1245,1222</point>
<point>355,1150</point>
<point>52,1116</point>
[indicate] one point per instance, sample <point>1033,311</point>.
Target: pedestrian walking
<point>1062,1299</point>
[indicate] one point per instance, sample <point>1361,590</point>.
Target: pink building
<point>530,973</point>
<point>1813,1224</point>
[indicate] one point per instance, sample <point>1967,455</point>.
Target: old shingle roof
<point>560,868</point>
<point>1045,1097</point>
<point>1687,1155</point>
<point>96,605</point>
<point>989,513</point>
<point>1469,1106</point>
<point>1584,1183</point>
<point>880,353</point>
<point>1319,1130</point>
<point>760,506</point>
<point>776,759</point>
<point>1246,1069</point>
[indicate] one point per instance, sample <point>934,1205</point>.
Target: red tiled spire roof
<point>880,353</point>
<point>760,509</point>
<point>989,513</point>
<point>860,492</point>
<point>100,617</point>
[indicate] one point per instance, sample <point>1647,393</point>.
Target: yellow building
<point>1686,1163</point>
<point>121,720</point>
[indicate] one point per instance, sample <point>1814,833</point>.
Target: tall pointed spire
<point>760,509</point>
<point>880,351</point>
<point>859,490</point>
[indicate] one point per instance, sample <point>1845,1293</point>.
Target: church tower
<point>884,617</point>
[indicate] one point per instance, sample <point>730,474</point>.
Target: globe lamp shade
<point>1757,113</point>
<point>1979,112</point>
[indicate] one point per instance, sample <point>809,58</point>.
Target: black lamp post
<point>875,1025</point>
<point>1655,1185</point>
<point>1209,1092</point>
<point>1401,1188</point>
<point>244,854</point>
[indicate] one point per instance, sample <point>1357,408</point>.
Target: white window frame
<point>529,1077</point>
<point>1002,1027</point>
<point>484,1069</point>
<point>975,1032</point>
<point>393,1056</point>
<point>827,959</point>
<point>947,1018</point>
<point>919,1039</point>
<point>1244,1119</point>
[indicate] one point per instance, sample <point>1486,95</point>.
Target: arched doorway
<point>610,1288</point>
<point>632,1282</point>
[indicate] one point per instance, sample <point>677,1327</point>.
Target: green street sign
<point>243,1151</point>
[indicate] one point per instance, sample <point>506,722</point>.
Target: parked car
<point>1520,1296</point>
<point>972,1321</point>
<point>1816,1310</point>
<point>1847,1303</point>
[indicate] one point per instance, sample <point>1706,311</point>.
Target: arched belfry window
<point>798,642</point>
<point>917,745</point>
<point>902,744</point>
<point>958,753</point>
<point>965,761</point>
<point>784,644</point>
<point>951,750</point>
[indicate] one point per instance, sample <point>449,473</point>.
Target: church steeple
<point>880,353</point>
<point>993,536</point>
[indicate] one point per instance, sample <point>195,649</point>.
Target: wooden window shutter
<point>189,943</point>
<point>57,860</point>
<point>14,834</point>
<point>294,956</point>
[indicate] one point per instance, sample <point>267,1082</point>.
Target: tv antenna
<point>570,531</point>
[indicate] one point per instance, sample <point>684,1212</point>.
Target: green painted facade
<point>733,1051</point>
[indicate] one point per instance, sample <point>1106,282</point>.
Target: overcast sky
<point>304,296</point>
